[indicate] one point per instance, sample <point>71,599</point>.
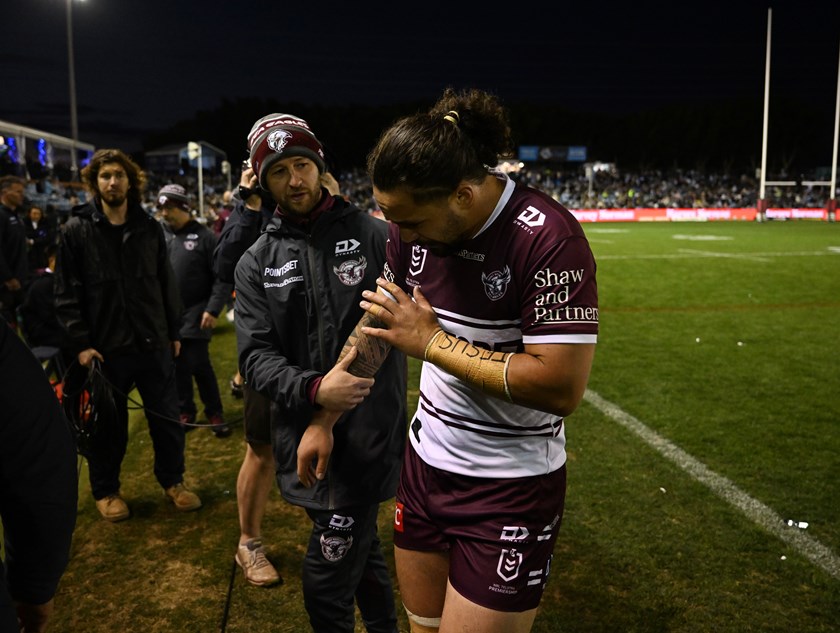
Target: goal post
<point>762,203</point>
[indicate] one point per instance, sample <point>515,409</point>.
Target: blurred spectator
<point>39,235</point>
<point>14,262</point>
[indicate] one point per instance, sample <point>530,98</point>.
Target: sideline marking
<point>759,513</point>
<point>699,255</point>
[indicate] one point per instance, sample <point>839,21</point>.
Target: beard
<point>113,198</point>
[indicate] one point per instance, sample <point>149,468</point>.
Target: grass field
<point>712,418</point>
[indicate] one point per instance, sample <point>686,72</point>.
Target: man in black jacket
<point>191,248</point>
<point>297,302</point>
<point>38,489</point>
<point>117,297</point>
<point>14,260</point>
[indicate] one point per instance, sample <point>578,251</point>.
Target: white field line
<point>688,254</point>
<point>755,258</point>
<point>756,511</point>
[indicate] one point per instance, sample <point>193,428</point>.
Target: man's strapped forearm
<point>481,368</point>
<point>371,351</point>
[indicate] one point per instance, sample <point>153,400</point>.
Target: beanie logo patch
<point>278,139</point>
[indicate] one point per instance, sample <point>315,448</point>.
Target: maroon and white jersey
<point>527,277</point>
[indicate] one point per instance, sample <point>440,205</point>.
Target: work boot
<point>113,508</point>
<point>184,499</point>
<point>219,426</point>
<point>256,567</point>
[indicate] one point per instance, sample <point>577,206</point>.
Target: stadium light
<point>74,121</point>
<point>194,153</point>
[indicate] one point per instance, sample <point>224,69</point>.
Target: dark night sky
<point>142,66</point>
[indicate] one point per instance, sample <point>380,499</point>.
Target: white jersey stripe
<point>471,424</point>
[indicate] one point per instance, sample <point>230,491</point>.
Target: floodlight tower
<point>74,120</point>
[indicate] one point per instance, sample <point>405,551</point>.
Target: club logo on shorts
<point>334,548</point>
<point>496,283</point>
<point>351,271</point>
<point>509,562</point>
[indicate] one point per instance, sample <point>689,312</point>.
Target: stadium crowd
<point>607,189</point>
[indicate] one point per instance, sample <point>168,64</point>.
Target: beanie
<point>174,194</point>
<point>277,136</point>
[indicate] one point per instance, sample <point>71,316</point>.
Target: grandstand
<point>35,154</point>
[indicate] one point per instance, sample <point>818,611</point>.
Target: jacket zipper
<point>310,252</point>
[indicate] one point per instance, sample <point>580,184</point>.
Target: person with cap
<point>297,301</point>
<point>117,297</point>
<point>191,247</point>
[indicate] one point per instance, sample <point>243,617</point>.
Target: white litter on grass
<point>760,514</point>
<point>697,340</point>
<point>798,524</point>
<point>784,557</point>
<point>740,344</point>
<point>662,490</point>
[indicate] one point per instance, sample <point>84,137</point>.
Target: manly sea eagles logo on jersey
<point>351,271</point>
<point>191,242</point>
<point>277,140</point>
<point>335,547</point>
<point>496,283</point>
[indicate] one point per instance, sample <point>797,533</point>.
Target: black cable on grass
<point>223,623</point>
<point>88,403</point>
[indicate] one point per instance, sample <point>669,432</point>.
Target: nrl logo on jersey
<point>418,260</point>
<point>496,283</point>
<point>351,271</point>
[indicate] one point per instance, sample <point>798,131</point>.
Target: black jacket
<point>38,481</point>
<point>297,301</point>
<point>40,325</point>
<point>191,255</point>
<point>242,229</point>
<point>125,304</point>
<point>14,261</point>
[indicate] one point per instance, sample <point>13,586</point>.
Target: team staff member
<point>117,297</point>
<point>297,301</point>
<point>191,248</point>
<point>492,284</point>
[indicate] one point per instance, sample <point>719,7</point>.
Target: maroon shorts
<point>499,533</point>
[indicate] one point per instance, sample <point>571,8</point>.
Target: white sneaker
<point>257,568</point>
